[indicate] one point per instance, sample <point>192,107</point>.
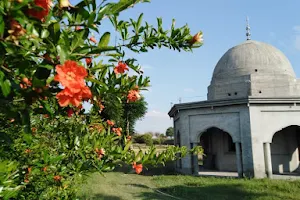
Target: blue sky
<point>177,75</point>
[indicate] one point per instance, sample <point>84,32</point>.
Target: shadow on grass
<point>192,191</point>
<point>100,197</point>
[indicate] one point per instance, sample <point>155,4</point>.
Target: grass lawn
<point>120,186</point>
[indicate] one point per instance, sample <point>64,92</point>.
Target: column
<point>239,159</point>
<point>268,161</point>
<point>195,161</point>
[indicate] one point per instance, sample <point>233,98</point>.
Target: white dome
<point>250,57</point>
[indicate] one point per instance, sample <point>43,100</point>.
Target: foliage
<point>143,139</point>
<point>134,111</point>
<point>170,132</point>
<point>52,59</point>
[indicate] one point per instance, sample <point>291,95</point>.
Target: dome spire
<point>248,33</point>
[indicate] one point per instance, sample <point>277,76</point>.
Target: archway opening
<point>219,150</point>
<point>285,151</point>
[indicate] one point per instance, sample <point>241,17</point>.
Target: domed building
<point>250,123</point>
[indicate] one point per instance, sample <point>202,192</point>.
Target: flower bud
<point>64,4</point>
<point>198,38</point>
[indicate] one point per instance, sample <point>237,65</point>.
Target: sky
<point>180,75</point>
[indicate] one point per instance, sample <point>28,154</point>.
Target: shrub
<point>147,138</point>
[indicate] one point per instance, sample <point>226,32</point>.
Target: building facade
<point>250,122</point>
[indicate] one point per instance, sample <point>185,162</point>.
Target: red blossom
<point>88,61</point>
<point>110,123</point>
<point>121,68</point>
<point>70,112</point>
<point>138,168</point>
<point>42,13</point>
<point>118,131</point>
<point>16,29</point>
<point>66,96</point>
<point>71,75</point>
<point>133,95</point>
<point>93,40</point>
<point>27,151</point>
<point>100,152</point>
<point>57,178</point>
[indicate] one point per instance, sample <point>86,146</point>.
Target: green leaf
<point>6,87</point>
<point>104,40</point>
<point>2,26</point>
<point>62,53</point>
<point>127,147</point>
<point>45,33</point>
<point>139,22</point>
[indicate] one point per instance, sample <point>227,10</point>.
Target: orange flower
<point>33,129</point>
<point>26,81</point>
<point>46,116</point>
<point>197,38</point>
<point>44,169</point>
<point>100,152</point>
<point>42,13</point>
<point>128,137</point>
<point>29,169</point>
<point>12,120</point>
<point>120,68</point>
<point>70,112</point>
<point>118,131</point>
<point>26,181</point>
<point>88,61</point>
<point>57,178</point>
<point>93,40</point>
<point>66,96</point>
<point>27,150</point>
<point>110,123</point>
<point>77,28</point>
<point>133,95</point>
<point>138,168</point>
<point>16,29</point>
<point>71,75</point>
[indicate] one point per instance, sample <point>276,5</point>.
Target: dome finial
<point>248,33</point>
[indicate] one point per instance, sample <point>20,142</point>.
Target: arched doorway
<point>285,150</point>
<point>219,150</point>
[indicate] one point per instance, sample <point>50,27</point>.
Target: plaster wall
<point>232,119</point>
<point>266,120</point>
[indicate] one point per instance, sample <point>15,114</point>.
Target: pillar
<point>239,159</point>
<point>268,161</point>
<point>195,161</point>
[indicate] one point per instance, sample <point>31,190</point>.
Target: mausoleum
<point>250,122</point>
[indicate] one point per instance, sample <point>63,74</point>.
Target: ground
<point>121,186</point>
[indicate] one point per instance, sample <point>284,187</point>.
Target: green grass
<point>120,186</point>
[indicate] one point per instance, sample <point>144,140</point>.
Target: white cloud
<point>190,90</point>
<point>155,113</point>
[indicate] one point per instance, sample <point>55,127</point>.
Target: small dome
<point>251,57</point>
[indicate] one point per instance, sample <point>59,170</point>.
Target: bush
<point>143,139</point>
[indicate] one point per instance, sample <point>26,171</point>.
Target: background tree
<point>133,111</point>
<point>170,132</point>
